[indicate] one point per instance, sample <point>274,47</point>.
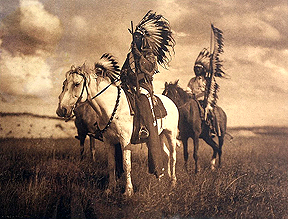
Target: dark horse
<point>191,124</point>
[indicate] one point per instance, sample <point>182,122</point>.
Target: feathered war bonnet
<point>107,66</point>
<point>157,35</point>
<point>202,63</point>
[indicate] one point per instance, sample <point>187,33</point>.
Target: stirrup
<point>212,133</point>
<point>143,133</point>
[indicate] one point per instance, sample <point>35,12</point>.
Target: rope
<point>98,134</point>
<point>114,111</point>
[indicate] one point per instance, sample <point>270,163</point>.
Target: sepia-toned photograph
<point>143,109</point>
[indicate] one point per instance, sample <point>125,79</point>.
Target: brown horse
<point>191,124</point>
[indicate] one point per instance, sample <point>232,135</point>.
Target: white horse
<point>115,121</point>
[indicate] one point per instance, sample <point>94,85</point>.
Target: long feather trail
<point>215,68</point>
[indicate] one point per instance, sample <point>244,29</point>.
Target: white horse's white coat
<point>121,128</point>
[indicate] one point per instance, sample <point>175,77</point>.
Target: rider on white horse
<point>147,48</point>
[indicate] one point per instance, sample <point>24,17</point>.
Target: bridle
<point>98,134</point>
<point>80,96</point>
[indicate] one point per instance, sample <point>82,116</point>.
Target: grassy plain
<point>44,178</point>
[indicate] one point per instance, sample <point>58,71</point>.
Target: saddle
<point>159,109</point>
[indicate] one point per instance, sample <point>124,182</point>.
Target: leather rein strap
<point>98,134</point>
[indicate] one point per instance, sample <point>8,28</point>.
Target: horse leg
<point>185,152</point>
<point>215,147</point>
<point>127,169</point>
<point>92,148</point>
<point>166,149</point>
<point>119,160</point>
<point>213,160</point>
<point>172,142</point>
<point>221,141</point>
<point>221,120</point>
<point>81,138</point>
<point>195,153</point>
<point>111,167</point>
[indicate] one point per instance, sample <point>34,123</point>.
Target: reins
<point>82,91</point>
<point>98,134</point>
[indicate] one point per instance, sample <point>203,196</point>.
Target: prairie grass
<point>44,178</point>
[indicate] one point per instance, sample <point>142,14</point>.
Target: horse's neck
<point>183,97</point>
<point>104,101</point>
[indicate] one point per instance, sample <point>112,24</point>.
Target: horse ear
<point>73,68</point>
<point>176,82</point>
<point>83,67</point>
<point>166,84</point>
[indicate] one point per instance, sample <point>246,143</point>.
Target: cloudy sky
<point>41,39</point>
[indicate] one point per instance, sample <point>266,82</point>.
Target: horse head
<point>175,93</point>
<point>74,90</point>
<point>82,84</point>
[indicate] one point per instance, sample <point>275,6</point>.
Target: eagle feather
<point>107,66</point>
<point>157,33</point>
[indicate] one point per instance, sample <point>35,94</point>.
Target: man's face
<point>137,38</point>
<point>199,70</point>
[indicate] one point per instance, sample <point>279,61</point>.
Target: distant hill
<point>260,130</point>
<point>30,125</point>
<point>3,114</point>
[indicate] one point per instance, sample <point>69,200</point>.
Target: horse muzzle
<point>63,112</point>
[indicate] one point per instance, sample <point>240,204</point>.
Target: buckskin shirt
<point>196,86</point>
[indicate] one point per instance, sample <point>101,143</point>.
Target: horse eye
<point>77,84</point>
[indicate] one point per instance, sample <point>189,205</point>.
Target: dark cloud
<point>29,29</point>
<point>29,36</point>
<point>255,23</point>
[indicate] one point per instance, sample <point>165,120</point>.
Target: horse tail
<point>230,136</point>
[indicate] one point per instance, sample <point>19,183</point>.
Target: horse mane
<point>81,70</point>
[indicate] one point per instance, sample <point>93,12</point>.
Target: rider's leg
<point>212,123</point>
<point>155,158</point>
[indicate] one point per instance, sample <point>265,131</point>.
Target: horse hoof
<point>173,183</point>
<point>128,193</point>
<point>213,161</point>
<point>186,167</point>
<point>197,170</point>
<point>108,192</point>
<point>158,174</point>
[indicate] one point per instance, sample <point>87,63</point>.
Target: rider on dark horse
<point>137,77</point>
<point>197,88</point>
